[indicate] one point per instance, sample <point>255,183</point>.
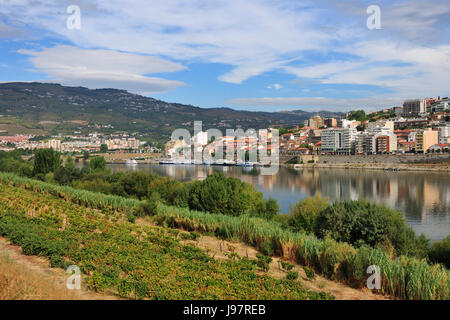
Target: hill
<point>130,260</point>
<point>52,108</point>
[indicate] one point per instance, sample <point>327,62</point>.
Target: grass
<point>403,277</point>
<point>133,261</point>
<point>19,283</point>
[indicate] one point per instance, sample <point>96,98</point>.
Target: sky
<point>258,55</point>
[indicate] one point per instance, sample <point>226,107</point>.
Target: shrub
<point>303,214</point>
<point>228,196</point>
<point>362,223</point>
<point>309,272</point>
<point>57,261</point>
<point>263,262</point>
<point>148,207</point>
<point>97,164</point>
<point>286,265</point>
<point>292,275</point>
<point>268,248</point>
<point>440,252</point>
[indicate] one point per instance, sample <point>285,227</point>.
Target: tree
<point>85,155</point>
<point>229,196</point>
<point>362,223</point>
<point>45,161</point>
<point>303,215</point>
<point>440,252</point>
<point>358,115</point>
<point>97,164</point>
<point>103,148</point>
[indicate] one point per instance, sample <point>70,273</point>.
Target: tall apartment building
<point>444,134</point>
<point>330,123</point>
<point>425,139</point>
<point>414,107</point>
<point>340,140</point>
<point>386,144</point>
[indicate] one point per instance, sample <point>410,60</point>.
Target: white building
<point>442,106</point>
<point>344,123</point>
<point>383,124</point>
<point>340,140</point>
<point>444,134</point>
<point>54,144</point>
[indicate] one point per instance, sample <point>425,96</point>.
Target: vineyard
<point>129,260</point>
<point>85,227</point>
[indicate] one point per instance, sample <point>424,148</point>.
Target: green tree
<point>103,148</point>
<point>358,115</point>
<point>97,164</point>
<point>440,252</point>
<point>303,214</point>
<point>363,223</point>
<point>229,196</point>
<point>46,161</point>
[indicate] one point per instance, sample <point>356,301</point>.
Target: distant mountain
<point>52,108</point>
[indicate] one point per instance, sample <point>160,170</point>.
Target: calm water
<point>424,198</point>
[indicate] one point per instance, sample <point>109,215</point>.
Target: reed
<point>403,277</point>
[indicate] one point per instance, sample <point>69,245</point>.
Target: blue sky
<point>256,55</point>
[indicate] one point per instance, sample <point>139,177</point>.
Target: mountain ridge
<point>54,108</point>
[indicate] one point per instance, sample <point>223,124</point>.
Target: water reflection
<point>424,198</point>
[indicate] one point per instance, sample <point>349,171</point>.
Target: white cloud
<point>251,36</point>
<point>275,86</point>
<point>317,103</point>
<point>104,69</point>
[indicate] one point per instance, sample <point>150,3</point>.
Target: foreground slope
<point>128,259</point>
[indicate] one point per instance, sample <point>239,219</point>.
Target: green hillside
<point>56,108</point>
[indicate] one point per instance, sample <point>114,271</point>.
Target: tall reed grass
<point>403,277</point>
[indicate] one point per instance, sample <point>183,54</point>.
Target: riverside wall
<point>384,159</point>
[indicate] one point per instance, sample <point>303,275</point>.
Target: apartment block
<point>414,107</point>
<point>340,140</point>
<point>425,139</point>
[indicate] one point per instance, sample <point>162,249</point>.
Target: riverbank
<point>441,167</point>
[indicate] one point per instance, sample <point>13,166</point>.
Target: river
<point>423,198</point>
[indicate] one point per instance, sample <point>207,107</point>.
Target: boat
<point>166,162</point>
<point>131,162</point>
<point>245,164</point>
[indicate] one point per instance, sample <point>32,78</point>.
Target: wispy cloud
<point>316,103</point>
<point>275,86</point>
<point>104,68</point>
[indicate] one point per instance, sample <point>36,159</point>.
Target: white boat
<point>245,164</point>
<point>131,162</point>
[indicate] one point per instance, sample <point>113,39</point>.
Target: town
<point>420,126</point>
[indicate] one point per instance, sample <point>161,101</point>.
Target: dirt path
<point>36,271</point>
<point>218,249</point>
